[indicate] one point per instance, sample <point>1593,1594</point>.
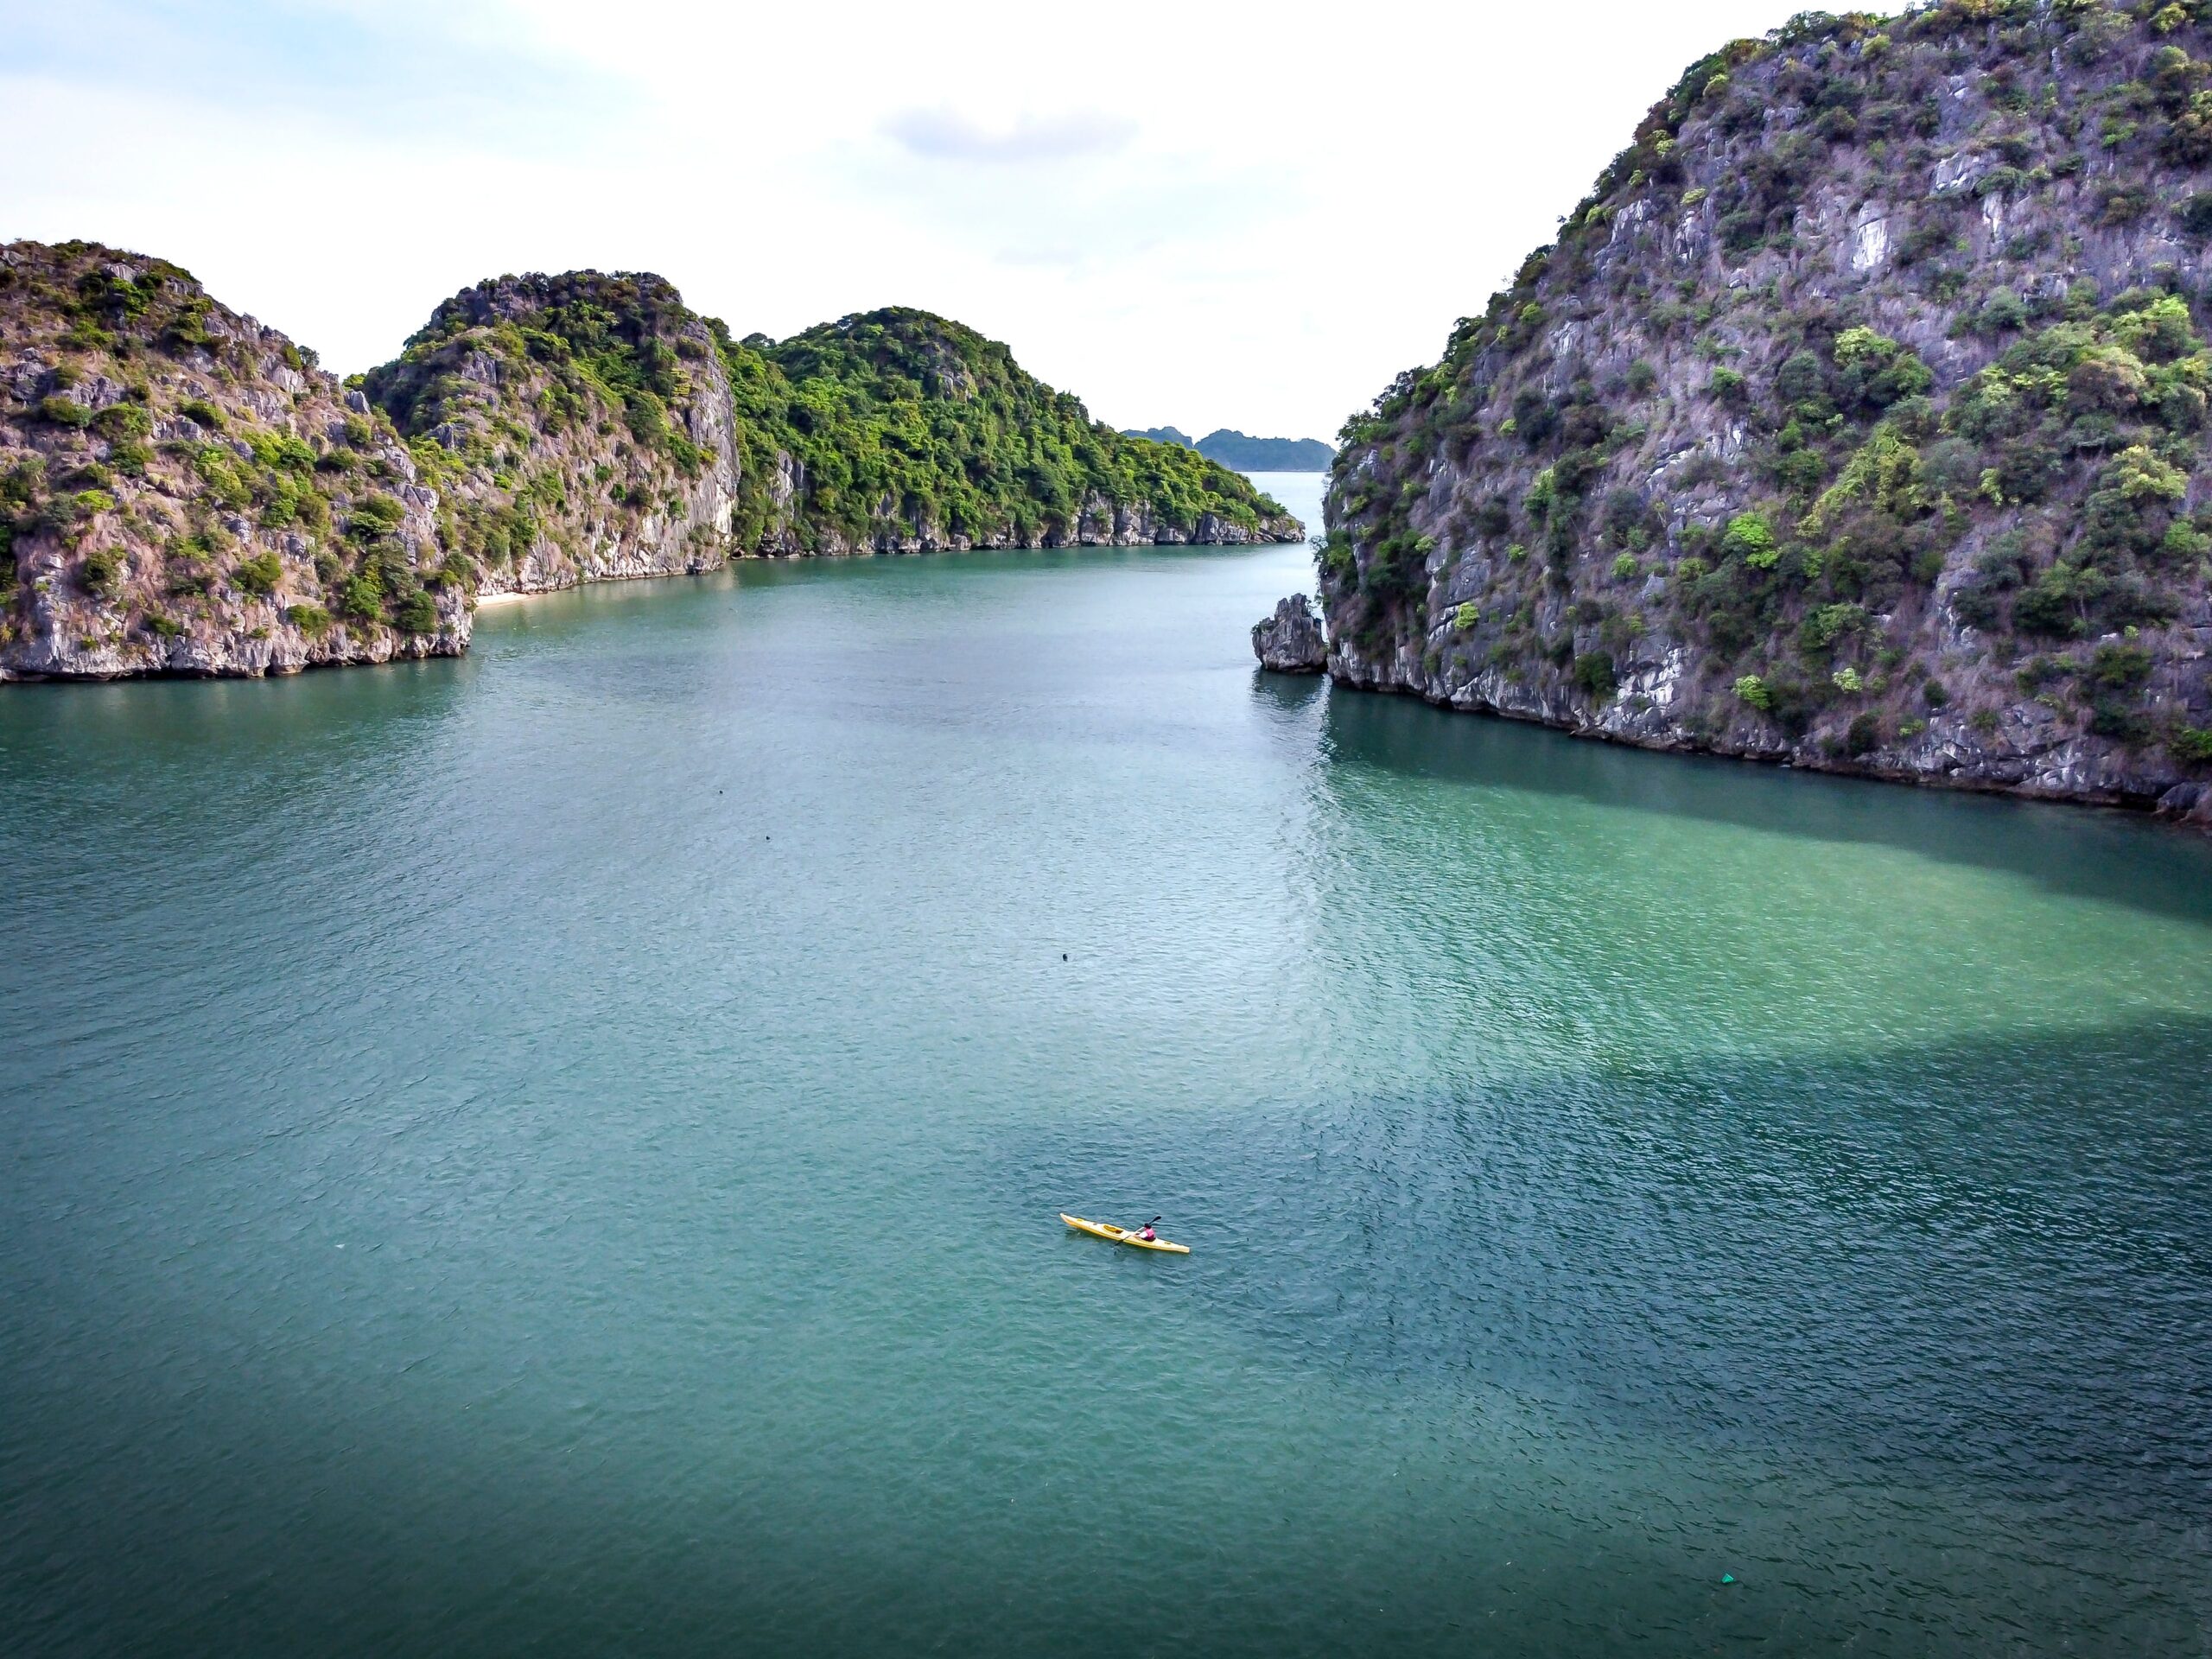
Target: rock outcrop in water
<point>1291,641</point>
<point>182,490</point>
<point>1856,419</point>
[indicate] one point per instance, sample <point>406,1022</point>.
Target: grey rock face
<point>142,541</point>
<point>1291,641</point>
<point>2189,804</point>
<point>1537,525</point>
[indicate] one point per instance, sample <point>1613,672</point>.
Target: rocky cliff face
<point>1856,419</point>
<point>182,490</point>
<point>578,427</point>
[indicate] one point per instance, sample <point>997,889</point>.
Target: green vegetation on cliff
<point>574,426</point>
<point>1858,415</point>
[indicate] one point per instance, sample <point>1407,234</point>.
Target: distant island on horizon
<point>1245,453</point>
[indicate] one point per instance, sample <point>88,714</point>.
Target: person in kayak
<point>1146,1233</point>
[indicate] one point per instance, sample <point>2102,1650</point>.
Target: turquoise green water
<point>556,1152</point>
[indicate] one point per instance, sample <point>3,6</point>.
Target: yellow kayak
<point>1122,1234</point>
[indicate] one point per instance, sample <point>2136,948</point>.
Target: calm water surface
<point>556,1152</point>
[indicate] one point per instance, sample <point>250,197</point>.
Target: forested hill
<point>1856,417</point>
<point>184,490</point>
<point>899,405</point>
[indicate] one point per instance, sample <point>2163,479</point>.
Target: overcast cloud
<point>946,134</point>
<point>1181,213</point>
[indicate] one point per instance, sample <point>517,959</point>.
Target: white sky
<point>1190,213</point>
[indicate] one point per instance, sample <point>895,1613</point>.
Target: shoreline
<point>2189,814</point>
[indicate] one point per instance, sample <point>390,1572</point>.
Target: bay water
<point>559,1152</point>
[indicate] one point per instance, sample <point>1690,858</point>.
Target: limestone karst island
<point>960,932</point>
<point>192,494</point>
<point>1856,418</point>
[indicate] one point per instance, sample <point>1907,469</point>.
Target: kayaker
<point>1146,1233</point>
